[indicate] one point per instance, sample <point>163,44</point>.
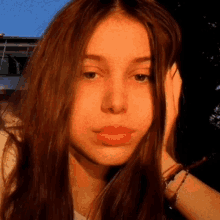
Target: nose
<point>115,98</point>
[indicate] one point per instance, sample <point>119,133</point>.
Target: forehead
<point>119,39</point>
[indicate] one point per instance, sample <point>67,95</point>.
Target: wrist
<point>168,165</point>
<point>173,185</point>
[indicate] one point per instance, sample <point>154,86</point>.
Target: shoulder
<point>9,118</point>
<point>9,161</point>
<point>3,138</point>
<point>10,157</point>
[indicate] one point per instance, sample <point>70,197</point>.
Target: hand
<point>173,85</point>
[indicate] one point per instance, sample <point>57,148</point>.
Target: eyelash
<point>147,76</point>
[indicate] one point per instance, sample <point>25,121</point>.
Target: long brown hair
<point>41,173</point>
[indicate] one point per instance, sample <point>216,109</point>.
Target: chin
<point>113,157</point>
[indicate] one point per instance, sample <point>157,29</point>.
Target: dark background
<point>199,127</point>
<point>198,130</point>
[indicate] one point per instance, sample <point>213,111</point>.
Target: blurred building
<point>14,53</point>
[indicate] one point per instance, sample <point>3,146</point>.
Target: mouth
<point>113,139</point>
<point>115,130</point>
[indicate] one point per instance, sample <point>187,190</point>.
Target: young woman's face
<point>112,93</point>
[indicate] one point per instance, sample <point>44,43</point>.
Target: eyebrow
<point>101,58</point>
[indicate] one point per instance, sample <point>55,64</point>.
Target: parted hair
<point>41,172</point>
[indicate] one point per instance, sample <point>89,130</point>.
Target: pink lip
<point>115,130</point>
<point>114,140</point>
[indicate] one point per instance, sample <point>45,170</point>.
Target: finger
<point>173,87</point>
<point>170,108</point>
<point>176,85</point>
<point>177,88</point>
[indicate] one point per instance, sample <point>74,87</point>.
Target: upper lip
<point>115,129</point>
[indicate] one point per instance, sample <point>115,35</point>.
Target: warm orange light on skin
<point>113,96</point>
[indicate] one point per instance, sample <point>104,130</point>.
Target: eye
<point>140,77</point>
<point>89,74</point>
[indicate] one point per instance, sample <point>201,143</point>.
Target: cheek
<point>142,109</point>
<point>83,110</point>
<point>142,100</point>
<point>85,99</point>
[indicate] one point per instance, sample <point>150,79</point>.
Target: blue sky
<point>27,18</point>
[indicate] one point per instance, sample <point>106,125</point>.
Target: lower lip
<point>116,139</point>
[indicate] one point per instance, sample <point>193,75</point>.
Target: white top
<point>79,216</point>
<point>11,158</point>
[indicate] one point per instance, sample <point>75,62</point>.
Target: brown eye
<point>89,74</point>
<point>142,77</point>
<point>139,77</point>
